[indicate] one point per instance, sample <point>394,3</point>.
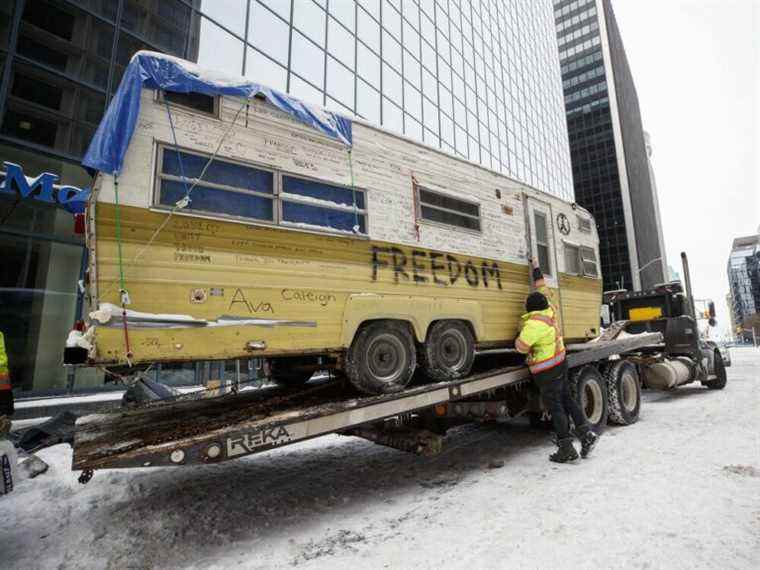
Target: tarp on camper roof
<point>152,70</point>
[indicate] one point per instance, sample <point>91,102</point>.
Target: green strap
<point>118,230</point>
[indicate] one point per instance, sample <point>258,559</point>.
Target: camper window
<point>227,188</point>
<point>588,256</point>
<point>572,259</point>
<point>313,203</point>
<point>195,101</point>
<point>584,224</point>
<point>542,242</point>
<point>443,209</point>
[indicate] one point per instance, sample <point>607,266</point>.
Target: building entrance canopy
<point>158,71</point>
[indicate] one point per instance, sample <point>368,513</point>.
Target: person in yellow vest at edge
<point>6,393</point>
<point>541,340</point>
<point>8,461</point>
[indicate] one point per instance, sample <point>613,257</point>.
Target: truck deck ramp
<point>196,430</point>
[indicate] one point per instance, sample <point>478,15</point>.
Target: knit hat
<point>536,302</point>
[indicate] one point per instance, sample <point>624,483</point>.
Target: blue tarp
<point>157,71</point>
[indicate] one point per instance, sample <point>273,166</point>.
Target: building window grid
<point>577,34</point>
<point>566,24</point>
<point>500,73</point>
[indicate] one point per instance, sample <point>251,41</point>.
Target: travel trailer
<point>230,221</point>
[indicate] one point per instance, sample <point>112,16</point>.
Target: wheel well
<point>365,324</point>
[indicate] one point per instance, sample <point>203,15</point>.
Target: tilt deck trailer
<point>188,430</point>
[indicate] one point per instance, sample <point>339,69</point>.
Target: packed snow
<point>680,489</point>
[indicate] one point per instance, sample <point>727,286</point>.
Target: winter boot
<point>565,452</point>
<point>588,441</point>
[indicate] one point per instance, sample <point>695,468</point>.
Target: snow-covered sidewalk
<point>681,489</point>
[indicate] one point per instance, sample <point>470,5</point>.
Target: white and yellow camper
<point>234,226</point>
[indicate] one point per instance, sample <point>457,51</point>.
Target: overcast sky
<point>696,65</point>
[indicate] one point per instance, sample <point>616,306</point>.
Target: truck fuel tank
<point>669,373</point>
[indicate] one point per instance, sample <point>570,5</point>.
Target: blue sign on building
<point>43,188</point>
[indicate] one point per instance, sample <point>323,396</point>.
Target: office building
<point>611,170</point>
<point>744,287</point>
<point>479,79</point>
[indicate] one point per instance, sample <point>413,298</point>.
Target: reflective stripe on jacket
<point>4,379</point>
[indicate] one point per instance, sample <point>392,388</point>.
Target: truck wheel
<point>623,393</point>
<point>382,358</point>
<point>295,371</point>
<point>719,382</point>
<point>449,351</point>
<point>588,388</point>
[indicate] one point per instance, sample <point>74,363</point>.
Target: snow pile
<point>107,312</point>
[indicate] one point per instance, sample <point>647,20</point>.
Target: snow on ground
<point>681,489</point>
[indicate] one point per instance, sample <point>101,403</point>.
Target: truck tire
<point>623,393</point>
<point>588,388</point>
<point>294,371</point>
<point>382,358</point>
<point>449,351</point>
<point>719,382</point>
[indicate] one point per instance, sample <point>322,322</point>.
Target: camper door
<point>539,217</point>
<point>542,244</point>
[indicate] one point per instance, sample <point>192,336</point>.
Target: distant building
<point>732,321</point>
<point>611,171</point>
<point>744,286</point>
<point>658,218</point>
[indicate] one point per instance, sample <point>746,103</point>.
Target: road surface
<point>680,489</point>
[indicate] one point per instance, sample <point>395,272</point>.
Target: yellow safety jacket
<point>4,377</point>
<point>540,336</point>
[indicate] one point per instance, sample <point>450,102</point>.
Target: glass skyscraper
<point>478,78</point>
<point>610,163</point>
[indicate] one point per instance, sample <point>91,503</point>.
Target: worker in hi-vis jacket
<point>541,340</point>
<point>6,393</point>
<point>8,464</point>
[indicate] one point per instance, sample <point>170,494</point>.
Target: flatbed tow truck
<point>606,377</point>
<point>191,430</point>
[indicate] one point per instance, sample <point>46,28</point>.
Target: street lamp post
<point>649,263</point>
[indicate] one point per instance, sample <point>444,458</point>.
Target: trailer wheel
<point>623,393</point>
<point>590,391</point>
<point>382,358</point>
<point>720,374</point>
<point>449,351</point>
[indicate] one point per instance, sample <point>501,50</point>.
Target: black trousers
<point>555,391</point>
<point>6,401</point>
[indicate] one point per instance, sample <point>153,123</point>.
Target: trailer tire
<point>293,371</point>
<point>720,374</point>
<point>623,393</point>
<point>449,351</point>
<point>382,358</point>
<point>588,388</point>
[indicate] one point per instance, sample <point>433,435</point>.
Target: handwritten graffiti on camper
<point>240,301</point>
<point>442,269</point>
